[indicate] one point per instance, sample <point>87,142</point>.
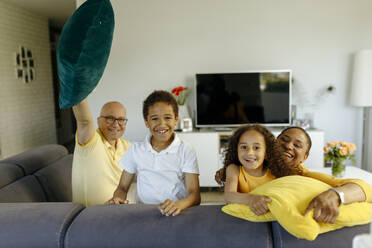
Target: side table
<point>350,172</point>
<point>363,240</point>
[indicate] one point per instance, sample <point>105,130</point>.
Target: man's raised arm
<point>84,121</point>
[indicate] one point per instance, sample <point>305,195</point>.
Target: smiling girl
<point>246,163</point>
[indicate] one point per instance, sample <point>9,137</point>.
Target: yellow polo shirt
<point>95,169</point>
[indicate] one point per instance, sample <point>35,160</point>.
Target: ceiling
<point>57,11</point>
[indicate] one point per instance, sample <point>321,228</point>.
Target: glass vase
<point>183,113</point>
<point>338,168</point>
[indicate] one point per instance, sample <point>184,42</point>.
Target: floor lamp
<point>361,95</point>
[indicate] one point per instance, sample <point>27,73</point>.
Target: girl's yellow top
<point>247,183</point>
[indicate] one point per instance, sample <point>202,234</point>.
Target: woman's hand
<point>219,176</point>
<point>258,204</point>
<point>169,207</point>
<point>325,207</point>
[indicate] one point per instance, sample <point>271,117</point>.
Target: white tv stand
<point>222,129</point>
<point>209,145</point>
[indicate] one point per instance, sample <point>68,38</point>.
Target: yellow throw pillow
<point>290,197</point>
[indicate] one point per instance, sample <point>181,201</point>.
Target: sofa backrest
<point>26,189</point>
<point>37,175</point>
<point>9,173</point>
<point>56,180</point>
<point>37,158</point>
<point>140,225</point>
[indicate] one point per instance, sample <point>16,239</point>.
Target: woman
<point>293,146</point>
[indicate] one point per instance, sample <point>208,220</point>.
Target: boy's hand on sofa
<point>117,200</point>
<point>120,193</point>
<point>169,207</point>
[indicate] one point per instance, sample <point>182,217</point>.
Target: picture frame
<point>186,125</point>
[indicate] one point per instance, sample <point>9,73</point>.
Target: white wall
<point>26,110</point>
<point>162,44</point>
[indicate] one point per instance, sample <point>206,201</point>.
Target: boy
<point>167,170</point>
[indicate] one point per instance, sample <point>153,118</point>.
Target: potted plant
<point>181,93</point>
<point>338,152</point>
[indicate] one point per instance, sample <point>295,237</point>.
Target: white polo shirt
<point>160,175</point>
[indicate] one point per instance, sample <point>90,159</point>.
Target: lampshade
<point>361,84</point>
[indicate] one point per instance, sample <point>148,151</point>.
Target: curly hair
<point>231,152</point>
<point>159,96</point>
<point>277,166</point>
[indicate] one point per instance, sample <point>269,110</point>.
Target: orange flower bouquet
<point>181,94</point>
<point>338,152</point>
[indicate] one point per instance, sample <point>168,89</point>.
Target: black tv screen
<point>233,99</point>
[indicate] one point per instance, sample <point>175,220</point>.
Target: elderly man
<point>95,169</point>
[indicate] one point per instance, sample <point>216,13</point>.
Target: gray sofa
<point>36,211</point>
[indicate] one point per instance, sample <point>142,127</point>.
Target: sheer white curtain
<point>361,88</point>
<point>368,139</point>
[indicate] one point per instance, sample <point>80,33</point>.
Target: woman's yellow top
<point>336,182</point>
<point>246,182</point>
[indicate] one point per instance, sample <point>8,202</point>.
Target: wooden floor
<point>212,198</point>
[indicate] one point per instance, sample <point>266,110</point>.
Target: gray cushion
<point>37,158</point>
<point>35,224</point>
<point>341,238</point>
<point>144,226</point>
<point>56,180</point>
<point>27,189</point>
<point>9,173</point>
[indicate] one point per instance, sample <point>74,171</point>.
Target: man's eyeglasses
<point>111,120</point>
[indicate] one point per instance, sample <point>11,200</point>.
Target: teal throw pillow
<point>83,50</point>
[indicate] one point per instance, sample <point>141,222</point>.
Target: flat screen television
<point>234,99</point>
